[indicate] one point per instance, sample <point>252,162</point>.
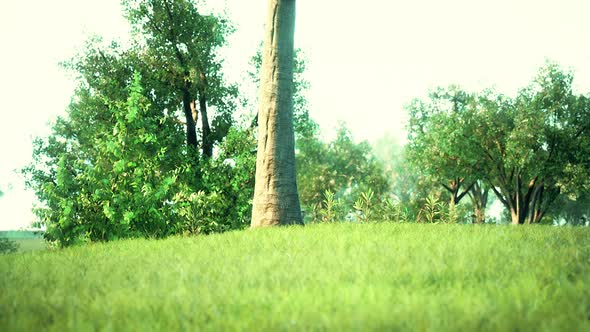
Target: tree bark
<point>479,199</point>
<point>276,201</point>
<point>191,129</point>
<point>206,129</point>
<point>523,202</point>
<point>454,187</point>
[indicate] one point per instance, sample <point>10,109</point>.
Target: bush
<point>136,178</point>
<point>8,246</point>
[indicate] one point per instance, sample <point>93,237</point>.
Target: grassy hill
<point>319,277</point>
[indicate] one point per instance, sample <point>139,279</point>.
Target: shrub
<point>8,246</point>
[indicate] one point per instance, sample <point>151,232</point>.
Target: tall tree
<point>536,146</point>
<point>529,150</point>
<point>183,44</point>
<point>441,142</point>
<point>276,200</point>
<point>117,164</point>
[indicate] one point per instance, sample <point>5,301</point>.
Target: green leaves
<point>522,147</point>
<point>330,207</point>
<point>94,187</point>
<point>8,246</point>
<point>432,210</point>
<point>364,205</point>
<point>342,167</point>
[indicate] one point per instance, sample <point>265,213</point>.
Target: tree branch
<point>500,197</point>
<point>467,190</point>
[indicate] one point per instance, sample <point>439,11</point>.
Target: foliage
<point>330,207</point>
<point>410,183</point>
<point>133,183</point>
<point>8,246</point>
<point>117,165</point>
<point>120,186</point>
<point>342,167</point>
<point>179,48</point>
<point>229,179</point>
<point>364,205</point>
<point>453,213</point>
<point>432,211</point>
<point>256,281</point>
<point>527,149</point>
<point>392,210</point>
<point>573,210</point>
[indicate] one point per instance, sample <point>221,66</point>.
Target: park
<point>171,198</point>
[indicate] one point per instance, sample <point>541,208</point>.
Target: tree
<point>442,143</point>
<point>536,146</point>
<point>117,165</point>
<point>528,150</point>
<point>276,200</point>
<point>8,246</point>
<point>303,124</point>
<point>106,183</point>
<point>342,167</point>
<point>182,43</point>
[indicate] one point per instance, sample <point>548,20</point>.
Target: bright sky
<point>366,59</point>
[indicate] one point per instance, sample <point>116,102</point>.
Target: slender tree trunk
<point>537,198</point>
<point>207,142</point>
<point>191,129</point>
<point>276,201</point>
<point>206,129</point>
<point>479,199</point>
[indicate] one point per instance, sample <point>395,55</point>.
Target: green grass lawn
<point>319,277</point>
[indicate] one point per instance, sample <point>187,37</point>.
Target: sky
<point>366,60</point>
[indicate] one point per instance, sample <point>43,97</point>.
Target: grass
<point>26,245</point>
<point>319,277</point>
<point>26,240</point>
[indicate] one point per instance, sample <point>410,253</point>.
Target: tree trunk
<point>191,129</point>
<point>454,187</point>
<point>207,143</point>
<point>276,201</point>
<point>514,215</point>
<point>524,207</point>
<point>479,199</point>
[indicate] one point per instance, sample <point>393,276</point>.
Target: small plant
<point>314,213</point>
<point>392,210</point>
<point>386,210</point>
<point>432,209</point>
<point>329,208</point>
<point>8,246</point>
<point>363,205</point>
<point>398,212</point>
<point>203,213</point>
<point>455,213</point>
